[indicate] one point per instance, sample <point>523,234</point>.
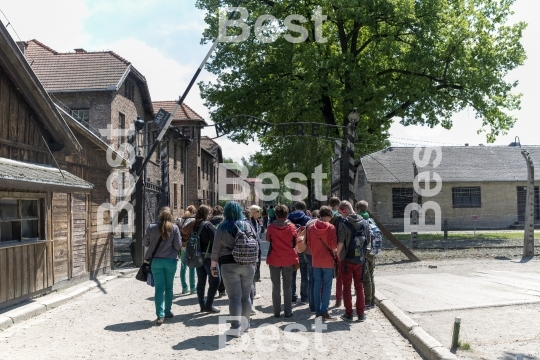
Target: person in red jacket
<point>281,258</point>
<point>322,240</point>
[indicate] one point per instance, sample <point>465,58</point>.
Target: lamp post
<point>347,158</point>
<point>137,200</point>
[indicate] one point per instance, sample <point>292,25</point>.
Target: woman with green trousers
<point>164,262</point>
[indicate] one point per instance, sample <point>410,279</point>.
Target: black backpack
<point>194,256</point>
<point>358,244</point>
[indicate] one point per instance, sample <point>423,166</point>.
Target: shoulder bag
<point>145,269</point>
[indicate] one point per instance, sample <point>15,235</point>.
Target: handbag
<point>336,261</point>
<point>145,269</point>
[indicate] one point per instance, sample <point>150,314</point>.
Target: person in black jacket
<point>207,232</point>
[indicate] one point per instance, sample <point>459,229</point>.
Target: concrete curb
<point>48,302</point>
<point>427,346</point>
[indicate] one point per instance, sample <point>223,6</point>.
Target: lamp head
<point>139,124</point>
<point>354,117</point>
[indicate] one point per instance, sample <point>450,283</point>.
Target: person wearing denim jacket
<point>165,261</point>
<point>237,278</point>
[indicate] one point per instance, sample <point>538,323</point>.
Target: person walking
<point>207,232</point>
<point>353,237</point>
<point>336,217</point>
<point>321,237</point>
<point>281,259</point>
<point>299,218</point>
<point>265,217</point>
<point>185,224</point>
<point>163,238</point>
<point>217,218</point>
<point>238,278</point>
<point>271,214</point>
<point>369,267</point>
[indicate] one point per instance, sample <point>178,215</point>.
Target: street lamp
<point>354,117</point>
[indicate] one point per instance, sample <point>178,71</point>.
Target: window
<point>466,197</point>
<point>401,197</point>
<point>204,194</point>
<point>181,159</point>
<point>129,90</point>
<point>175,157</point>
<point>121,126</point>
<point>199,178</point>
<point>175,196</point>
<point>81,114</point>
<point>19,220</point>
<point>181,196</point>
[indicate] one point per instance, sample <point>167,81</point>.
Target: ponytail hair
<point>165,222</point>
<point>190,211</point>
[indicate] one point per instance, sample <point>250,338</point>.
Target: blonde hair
<point>345,205</point>
<point>190,211</point>
<point>165,222</point>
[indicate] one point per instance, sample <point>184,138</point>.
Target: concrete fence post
<point>528,242</point>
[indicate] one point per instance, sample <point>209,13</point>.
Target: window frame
<point>398,208</point>
<point>41,231</point>
<point>463,204</point>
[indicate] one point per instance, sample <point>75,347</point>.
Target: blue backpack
<point>376,238</point>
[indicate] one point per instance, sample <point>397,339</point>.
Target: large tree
<point>416,61</point>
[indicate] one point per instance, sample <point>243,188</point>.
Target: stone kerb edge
<point>428,346</point>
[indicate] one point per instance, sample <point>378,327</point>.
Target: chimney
<point>80,51</point>
<point>22,46</point>
<point>466,144</point>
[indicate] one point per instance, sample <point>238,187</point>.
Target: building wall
<point>498,206</point>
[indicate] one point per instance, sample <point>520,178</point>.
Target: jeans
<point>276,274</point>
<point>368,280</point>
<point>353,273</point>
<point>322,279</point>
<point>163,271</point>
<point>304,279</point>
<point>294,297</point>
<point>183,267</point>
<point>203,272</point>
<point>238,280</point>
<point>311,293</point>
<point>265,221</point>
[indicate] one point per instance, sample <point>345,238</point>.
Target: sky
<point>162,40</point>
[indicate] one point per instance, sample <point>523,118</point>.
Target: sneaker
<point>221,294</point>
<point>185,291</point>
<point>212,310</point>
<point>346,317</point>
<point>369,307</point>
<point>327,317</point>
<point>337,304</point>
<point>277,315</point>
<point>288,315</point>
<point>258,296</point>
<point>253,312</point>
<point>318,314</point>
<point>193,291</point>
<point>234,332</point>
<point>362,317</point>
<point>169,315</point>
<point>159,321</point>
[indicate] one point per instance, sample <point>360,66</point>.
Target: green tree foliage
<point>413,61</point>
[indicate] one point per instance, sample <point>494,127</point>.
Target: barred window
<point>466,197</point>
<point>401,197</point>
<point>81,114</point>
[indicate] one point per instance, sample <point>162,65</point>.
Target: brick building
<point>482,186</point>
<point>193,160</point>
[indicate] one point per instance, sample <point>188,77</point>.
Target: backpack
<point>185,230</point>
<point>376,238</point>
<point>246,247</point>
<point>194,257</point>
<point>358,244</point>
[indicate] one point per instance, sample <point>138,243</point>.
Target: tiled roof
<point>458,164</point>
<point>104,70</point>
<point>183,113</point>
<point>212,147</point>
<point>31,176</point>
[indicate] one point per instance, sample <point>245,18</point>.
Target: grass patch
<point>482,236</point>
<point>464,346</point>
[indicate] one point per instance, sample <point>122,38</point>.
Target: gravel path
<point>117,322</point>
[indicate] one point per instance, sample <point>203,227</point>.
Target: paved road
<point>498,302</point>
<point>117,322</point>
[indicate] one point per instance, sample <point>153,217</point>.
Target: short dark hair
<point>218,210</point>
<point>362,205</point>
<point>334,201</point>
<point>315,214</point>
<point>325,211</point>
<point>300,205</point>
<point>281,211</point>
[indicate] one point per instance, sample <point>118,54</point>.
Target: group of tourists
<point>333,242</point>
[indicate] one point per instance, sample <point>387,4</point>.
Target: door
<point>79,233</point>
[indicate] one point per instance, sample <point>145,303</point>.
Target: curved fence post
<point>528,241</point>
